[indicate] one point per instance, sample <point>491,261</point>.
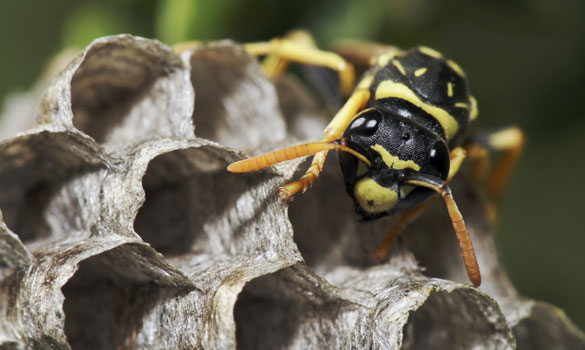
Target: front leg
<point>334,130</point>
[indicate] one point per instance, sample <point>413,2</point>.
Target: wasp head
<point>397,148</point>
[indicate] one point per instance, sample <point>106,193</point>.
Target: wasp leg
<point>302,51</point>
<point>334,130</point>
<point>509,140</point>
<point>275,65</point>
<point>457,156</point>
<point>480,156</point>
<point>186,45</point>
<point>381,253</point>
<point>364,52</point>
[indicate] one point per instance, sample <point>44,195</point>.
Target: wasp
<point>403,133</point>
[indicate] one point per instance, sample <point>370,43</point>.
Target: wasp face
<point>396,147</point>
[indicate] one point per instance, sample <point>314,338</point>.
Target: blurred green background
<point>525,60</point>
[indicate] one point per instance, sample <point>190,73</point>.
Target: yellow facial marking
<point>388,88</point>
<point>384,58</point>
<point>473,113</point>
<point>461,105</point>
<point>366,81</point>
<point>405,190</point>
<point>450,89</point>
<point>420,71</point>
<point>399,66</point>
<point>456,68</point>
<point>374,198</point>
<point>393,161</point>
<point>362,169</point>
<point>430,52</point>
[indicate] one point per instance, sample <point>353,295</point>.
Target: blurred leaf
<point>175,20</point>
<point>181,20</point>
<point>89,21</point>
<point>354,20</point>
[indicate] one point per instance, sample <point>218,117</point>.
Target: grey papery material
<point>123,230</point>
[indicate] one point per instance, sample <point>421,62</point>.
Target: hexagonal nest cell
<point>121,227</point>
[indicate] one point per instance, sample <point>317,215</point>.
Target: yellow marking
<point>374,198</point>
<point>430,52</point>
<point>388,88</point>
<point>456,156</point>
<point>398,66</point>
<point>506,139</point>
<point>450,89</point>
<point>405,190</point>
<point>362,169</point>
<point>420,71</point>
<point>393,161</point>
<point>384,58</point>
<point>461,105</point>
<point>473,113</point>
<point>456,68</point>
<point>366,82</point>
<point>425,184</point>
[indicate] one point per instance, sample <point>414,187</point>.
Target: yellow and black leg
<point>299,47</point>
<point>334,130</point>
<point>365,52</point>
<point>275,65</point>
<point>510,141</point>
<point>332,140</point>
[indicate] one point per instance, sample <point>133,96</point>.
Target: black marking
<point>366,123</point>
<point>405,109</point>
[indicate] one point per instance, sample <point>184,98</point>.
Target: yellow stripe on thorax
<point>388,88</point>
<point>384,58</point>
<point>456,68</point>
<point>420,71</point>
<point>393,161</point>
<point>430,52</point>
<point>399,66</point>
<point>473,112</point>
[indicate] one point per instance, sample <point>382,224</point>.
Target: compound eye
<point>366,123</point>
<point>439,159</point>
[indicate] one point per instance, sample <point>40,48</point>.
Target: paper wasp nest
<point>122,229</point>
